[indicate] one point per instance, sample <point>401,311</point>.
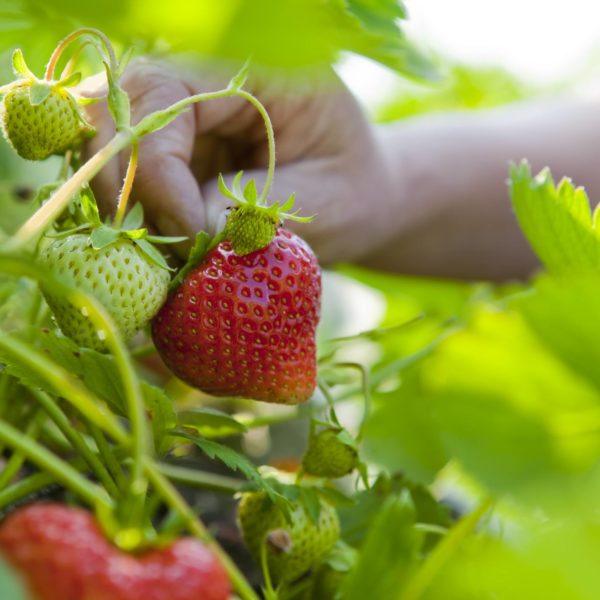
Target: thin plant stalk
<point>127,185</point>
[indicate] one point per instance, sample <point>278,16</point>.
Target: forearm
<point>450,215</point>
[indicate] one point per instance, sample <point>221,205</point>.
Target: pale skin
<point>425,196</point>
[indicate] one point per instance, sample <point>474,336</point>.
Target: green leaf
<point>516,400</point>
<point>89,207</point>
<point>38,92</point>
<point>166,239</point>
<point>118,101</point>
<point>357,517</point>
<point>201,246</point>
<point>136,234</point>
<point>98,371</point>
<point>152,253</point>
<point>233,460</point>
<point>70,80</point>
<point>389,554</point>
<point>103,236</point>
<point>239,79</point>
<point>556,220</point>
<point>250,192</point>
<point>210,422</point>
<point>565,315</point>
<point>159,119</point>
<point>134,219</point>
<point>20,67</point>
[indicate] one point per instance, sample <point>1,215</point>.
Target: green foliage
<point>556,220</point>
<point>390,552</point>
<point>288,33</point>
<point>10,586</point>
<point>462,88</point>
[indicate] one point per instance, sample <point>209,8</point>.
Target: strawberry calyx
<point>40,89</point>
<point>251,224</point>
<point>83,217</point>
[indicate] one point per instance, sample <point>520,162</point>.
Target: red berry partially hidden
<point>245,325</point>
<point>63,555</point>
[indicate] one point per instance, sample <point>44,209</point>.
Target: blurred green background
<point>482,396</point>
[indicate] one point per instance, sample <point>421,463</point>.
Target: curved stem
<point>174,499</point>
<point>23,488</point>
<point>146,125</point>
<point>127,185</point>
<point>201,479</point>
<point>443,552</point>
<point>63,383</point>
<point>61,470</point>
<point>18,458</point>
<point>107,455</point>
<point>49,211</point>
<point>77,442</point>
<point>366,390</point>
<point>66,42</point>
<point>270,140</point>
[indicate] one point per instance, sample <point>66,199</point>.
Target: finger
<point>322,190</point>
<point>106,184</point>
<point>164,183</point>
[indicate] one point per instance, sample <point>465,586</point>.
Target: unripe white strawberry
<point>125,281</point>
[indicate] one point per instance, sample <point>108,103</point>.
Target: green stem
<point>62,471</point>
<point>66,42</point>
<point>23,488</point>
<point>108,456</point>
<point>63,383</point>
<point>366,390</point>
<point>174,499</point>
<point>127,186</point>
<point>13,466</point>
<point>270,140</point>
<point>76,440</point>
<point>49,211</point>
<point>443,552</point>
<point>146,125</point>
<point>201,479</point>
<point>67,386</point>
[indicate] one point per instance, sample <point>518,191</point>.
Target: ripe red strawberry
<point>245,325</point>
<point>63,555</point>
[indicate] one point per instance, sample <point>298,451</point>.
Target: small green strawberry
<point>128,285</point>
<point>331,453</point>
<point>293,547</point>
<point>40,118</point>
<point>120,267</point>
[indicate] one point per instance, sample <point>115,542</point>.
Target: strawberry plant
<point>450,451</point>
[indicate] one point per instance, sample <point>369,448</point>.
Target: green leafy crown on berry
<point>82,216</point>
<point>40,89</point>
<point>252,224</point>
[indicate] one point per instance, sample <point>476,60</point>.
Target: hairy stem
<point>49,211</point>
<point>59,418</point>
<point>61,470</point>
<point>174,499</point>
<point>127,186</point>
<point>66,42</point>
<point>270,140</point>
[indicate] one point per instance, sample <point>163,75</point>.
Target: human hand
<point>326,154</point>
